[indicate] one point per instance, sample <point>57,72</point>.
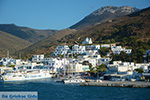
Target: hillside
<point>102,15</point>
<point>131,30</point>
<point>47,45</point>
<point>31,35</point>
<point>11,43</point>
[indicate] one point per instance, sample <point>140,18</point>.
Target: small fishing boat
<point>73,80</point>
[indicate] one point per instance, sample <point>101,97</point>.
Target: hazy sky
<point>55,14</point>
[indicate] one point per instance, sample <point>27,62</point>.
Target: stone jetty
<point>137,84</point>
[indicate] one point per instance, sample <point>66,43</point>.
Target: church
<point>87,41</point>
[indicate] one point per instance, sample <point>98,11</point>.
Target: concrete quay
<point>137,84</point>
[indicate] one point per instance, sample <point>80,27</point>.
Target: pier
<point>138,84</point>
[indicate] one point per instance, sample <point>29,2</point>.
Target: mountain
<point>120,29</point>
<point>31,35</point>
<point>132,30</point>
<point>47,45</point>
<point>11,43</point>
<point>102,15</point>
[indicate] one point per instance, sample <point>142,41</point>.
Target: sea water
<point>48,89</point>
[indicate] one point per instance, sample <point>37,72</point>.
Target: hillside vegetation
<point>47,45</point>
<point>11,43</point>
<point>131,31</point>
<point>29,34</point>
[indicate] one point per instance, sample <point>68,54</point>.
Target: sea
<point>48,89</point>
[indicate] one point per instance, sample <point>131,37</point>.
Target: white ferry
<point>25,74</point>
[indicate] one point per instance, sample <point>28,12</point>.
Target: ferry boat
<point>23,75</point>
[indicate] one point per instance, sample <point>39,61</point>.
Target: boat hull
<point>73,81</point>
<point>24,77</point>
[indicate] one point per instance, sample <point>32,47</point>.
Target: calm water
<point>49,90</point>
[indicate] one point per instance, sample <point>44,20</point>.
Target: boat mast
<point>64,66</point>
<point>64,61</point>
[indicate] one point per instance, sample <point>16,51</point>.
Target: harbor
<point>82,64</point>
<point>138,84</point>
<point>49,89</point>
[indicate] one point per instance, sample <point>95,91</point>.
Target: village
<point>84,59</point>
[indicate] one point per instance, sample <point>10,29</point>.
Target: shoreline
<point>130,84</point>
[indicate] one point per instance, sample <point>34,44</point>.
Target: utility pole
<point>19,55</point>
<point>7,53</point>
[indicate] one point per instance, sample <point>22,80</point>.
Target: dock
<point>137,84</point>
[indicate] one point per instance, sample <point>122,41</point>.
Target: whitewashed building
<point>105,45</point>
<point>118,49</point>
<point>76,49</point>
<point>62,50</point>
<point>87,41</point>
<point>103,61</point>
<point>120,67</point>
<point>92,52</point>
<point>96,47</point>
<point>144,66</point>
<point>57,63</point>
<point>37,58</point>
<point>7,61</point>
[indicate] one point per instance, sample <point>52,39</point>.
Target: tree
<point>85,63</point>
<point>70,47</point>
<point>11,66</point>
<point>122,56</point>
<point>147,58</point>
<point>103,51</point>
<point>140,70</point>
<point>91,68</point>
<point>102,68</point>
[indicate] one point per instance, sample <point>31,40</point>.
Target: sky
<point>55,14</point>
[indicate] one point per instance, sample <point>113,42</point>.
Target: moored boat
<point>31,74</point>
<point>73,80</point>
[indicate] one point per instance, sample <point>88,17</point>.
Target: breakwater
<point>137,84</point>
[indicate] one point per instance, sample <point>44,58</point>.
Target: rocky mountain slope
<point>131,30</point>
<point>102,15</point>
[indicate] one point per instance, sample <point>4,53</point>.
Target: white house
<point>61,50</point>
<point>92,52</point>
<point>87,41</point>
<point>144,66</point>
<point>28,66</point>
<point>37,58</point>
<point>93,61</point>
<point>103,61</point>
<point>57,63</point>
<point>76,49</point>
<point>122,67</point>
<point>96,47</point>
<point>118,49</point>
<point>7,61</point>
<point>105,45</point>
